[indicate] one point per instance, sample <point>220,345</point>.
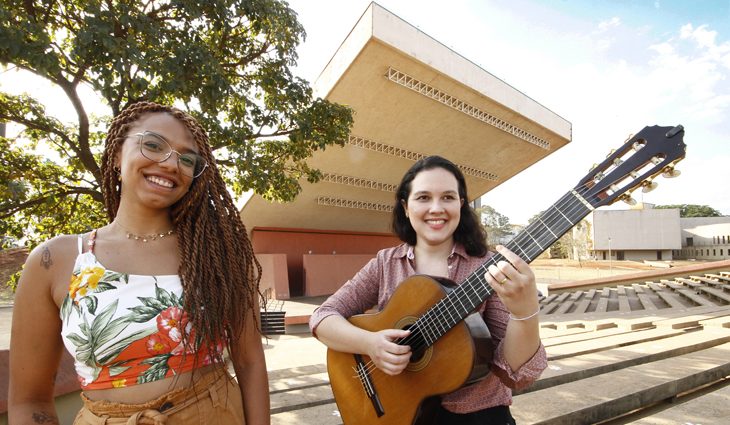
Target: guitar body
<point>459,357</point>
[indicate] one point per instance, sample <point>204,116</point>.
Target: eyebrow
<point>183,150</point>
<point>427,192</point>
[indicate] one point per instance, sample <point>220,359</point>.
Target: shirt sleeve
<point>496,316</point>
<point>354,297</point>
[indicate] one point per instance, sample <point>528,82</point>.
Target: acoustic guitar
<point>449,342</point>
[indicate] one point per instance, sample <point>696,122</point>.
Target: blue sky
<point>608,67</point>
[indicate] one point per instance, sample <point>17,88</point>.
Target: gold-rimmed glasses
<point>155,148</point>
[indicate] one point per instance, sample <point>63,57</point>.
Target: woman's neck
<point>143,221</point>
<point>432,259</point>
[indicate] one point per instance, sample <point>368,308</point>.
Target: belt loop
<point>213,391</point>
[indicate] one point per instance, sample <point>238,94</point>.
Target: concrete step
<point>707,409</point>
<point>573,368</point>
<point>622,391</point>
<point>578,348</point>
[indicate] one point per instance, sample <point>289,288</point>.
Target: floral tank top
<point>124,329</point>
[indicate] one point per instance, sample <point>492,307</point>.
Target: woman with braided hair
<point>148,305</point>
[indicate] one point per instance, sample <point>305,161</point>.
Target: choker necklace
<point>147,238</point>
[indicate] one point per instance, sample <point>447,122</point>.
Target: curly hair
<point>469,232</point>
<point>219,272</point>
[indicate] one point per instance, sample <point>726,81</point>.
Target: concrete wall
<point>630,230</point>
<point>324,274</point>
<point>274,275</point>
<point>296,243</point>
<point>705,238</point>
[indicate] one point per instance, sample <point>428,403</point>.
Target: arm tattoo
<point>44,417</point>
<point>46,261</point>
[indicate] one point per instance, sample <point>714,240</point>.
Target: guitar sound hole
<point>418,345</point>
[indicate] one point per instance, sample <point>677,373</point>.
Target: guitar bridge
<point>367,384</point>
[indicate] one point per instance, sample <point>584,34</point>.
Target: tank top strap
<point>92,241</point>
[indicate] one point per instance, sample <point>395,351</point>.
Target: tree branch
<point>11,209</point>
<point>85,155</point>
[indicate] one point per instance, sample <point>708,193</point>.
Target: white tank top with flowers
<point>125,329</point>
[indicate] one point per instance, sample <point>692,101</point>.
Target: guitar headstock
<point>652,151</point>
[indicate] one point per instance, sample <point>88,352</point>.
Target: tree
<point>227,62</point>
<point>692,210</point>
<point>496,224</point>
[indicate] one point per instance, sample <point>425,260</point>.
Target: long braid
<point>219,272</point>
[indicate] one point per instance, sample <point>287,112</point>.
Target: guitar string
<point>436,313</point>
<point>432,315</point>
<point>429,318</point>
<point>476,277</point>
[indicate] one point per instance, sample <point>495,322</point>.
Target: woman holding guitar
<point>442,237</point>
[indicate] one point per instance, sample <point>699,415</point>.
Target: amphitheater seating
<point>646,352</point>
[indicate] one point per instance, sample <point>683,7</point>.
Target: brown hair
<point>219,273</point>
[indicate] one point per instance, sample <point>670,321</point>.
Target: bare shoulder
<point>53,252</point>
<point>50,264</point>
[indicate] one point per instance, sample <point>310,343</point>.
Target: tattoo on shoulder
<point>46,261</point>
<point>44,418</point>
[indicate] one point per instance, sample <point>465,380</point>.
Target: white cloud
<point>608,24</point>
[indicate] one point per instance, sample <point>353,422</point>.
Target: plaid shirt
<point>375,283</point>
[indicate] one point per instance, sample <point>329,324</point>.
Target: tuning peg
<point>611,153</point>
<point>618,161</point>
<point>593,167</point>
<point>670,172</point>
<point>628,199</point>
<point>656,160</point>
<point>637,145</point>
<point>648,186</point>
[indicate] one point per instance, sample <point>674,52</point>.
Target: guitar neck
<point>547,228</point>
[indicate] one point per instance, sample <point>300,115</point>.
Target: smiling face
<point>149,183</point>
<point>433,206</point>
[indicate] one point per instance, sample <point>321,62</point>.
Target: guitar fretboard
<point>547,228</point>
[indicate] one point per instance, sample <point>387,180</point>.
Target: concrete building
<point>636,234</point>
<point>705,238</point>
<point>412,97</point>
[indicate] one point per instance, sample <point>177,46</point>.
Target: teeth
<point>160,181</point>
<point>437,221</point>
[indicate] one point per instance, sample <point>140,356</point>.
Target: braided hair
<point>219,272</point>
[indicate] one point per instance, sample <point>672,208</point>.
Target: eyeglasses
<point>155,148</point>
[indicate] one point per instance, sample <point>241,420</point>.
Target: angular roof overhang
<point>412,97</point>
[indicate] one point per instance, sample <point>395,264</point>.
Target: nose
<point>171,163</point>
<point>436,206</point>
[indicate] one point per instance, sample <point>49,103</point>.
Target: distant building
<point>636,234</point>
<point>705,238</point>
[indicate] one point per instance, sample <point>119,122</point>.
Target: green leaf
<point>102,320</point>
<point>157,370</point>
<point>111,352</point>
<point>228,62</point>
<point>91,303</point>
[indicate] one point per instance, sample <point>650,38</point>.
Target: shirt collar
<point>407,251</point>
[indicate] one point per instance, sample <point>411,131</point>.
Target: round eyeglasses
<point>155,148</point>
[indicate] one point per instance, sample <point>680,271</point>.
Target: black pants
<point>498,415</point>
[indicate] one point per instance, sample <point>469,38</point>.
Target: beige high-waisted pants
<point>213,399</point>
